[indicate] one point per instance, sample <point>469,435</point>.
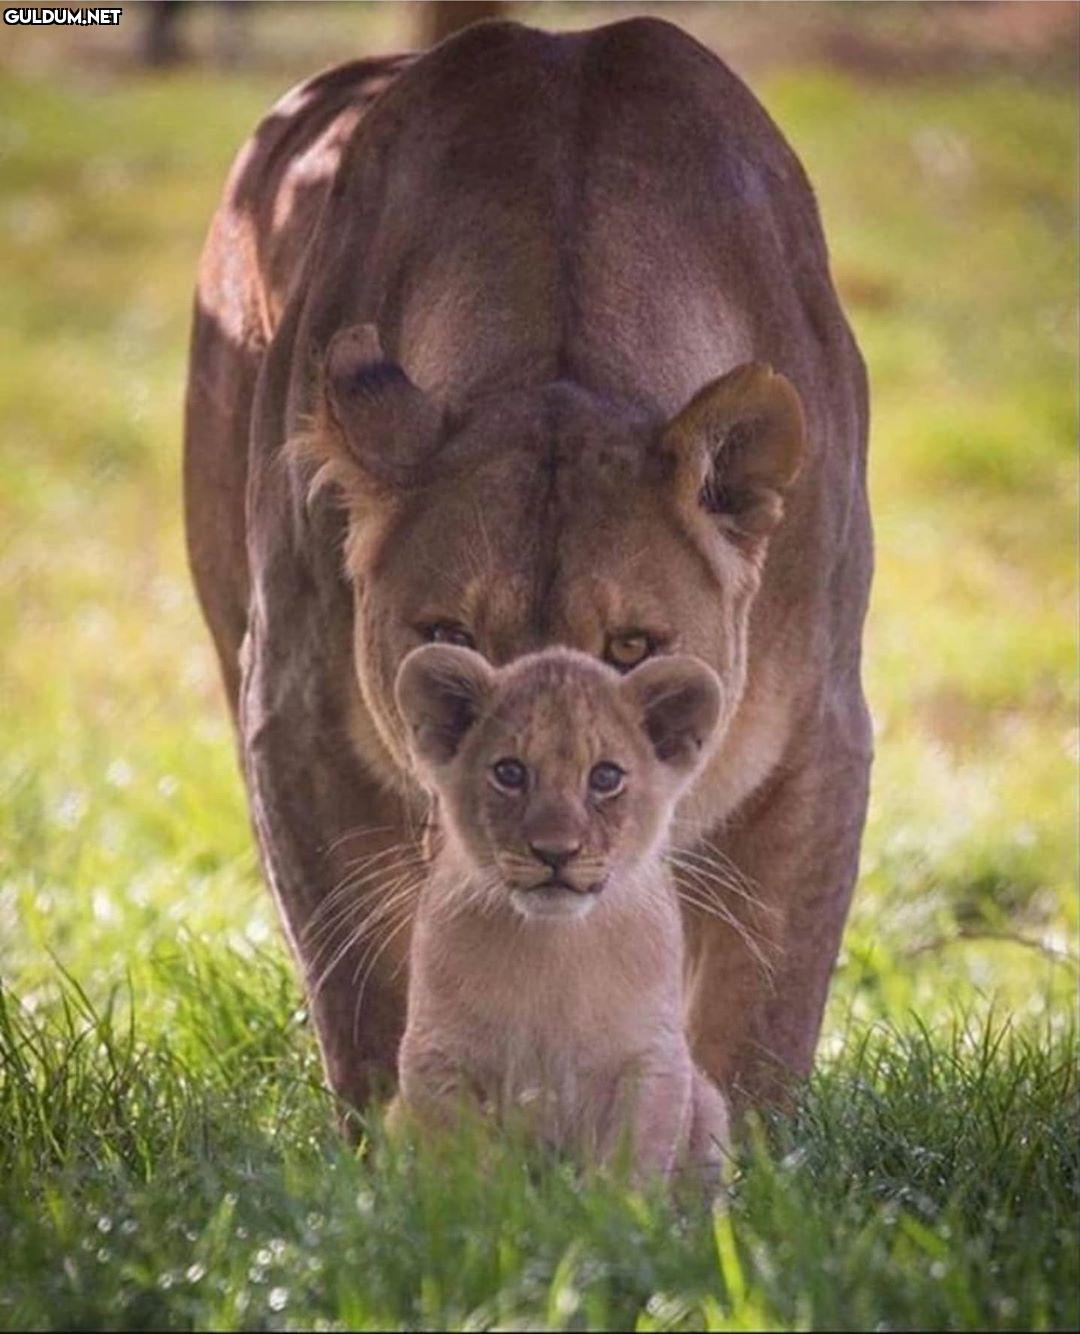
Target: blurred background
<point>942,141</point>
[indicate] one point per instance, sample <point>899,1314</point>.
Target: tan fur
<point>552,314</point>
<point>687,587</point>
<point>567,1015</point>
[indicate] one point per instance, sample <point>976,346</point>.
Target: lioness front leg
<point>333,841</point>
<point>756,1000</point>
<point>332,853</point>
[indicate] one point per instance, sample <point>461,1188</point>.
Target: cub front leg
<point>650,1116</point>
<point>434,1092</point>
<point>708,1139</point>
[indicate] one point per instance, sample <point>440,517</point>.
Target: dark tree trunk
<point>161,37</point>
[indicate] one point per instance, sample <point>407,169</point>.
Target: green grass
<point>166,1149</point>
<point>186,1176</point>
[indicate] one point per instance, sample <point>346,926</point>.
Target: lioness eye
<point>445,632</point>
<point>509,774</point>
<point>605,779</point>
<point>626,651</point>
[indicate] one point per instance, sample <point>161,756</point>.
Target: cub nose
<point>555,852</point>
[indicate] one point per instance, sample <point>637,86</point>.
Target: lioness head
<point>550,516</point>
<point>555,774</point>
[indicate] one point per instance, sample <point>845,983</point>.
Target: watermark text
<point>38,16</point>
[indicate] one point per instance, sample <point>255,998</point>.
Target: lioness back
<point>610,206</point>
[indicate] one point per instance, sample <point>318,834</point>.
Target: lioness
<point>521,296</point>
<point>556,780</point>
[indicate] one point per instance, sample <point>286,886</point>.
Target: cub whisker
<point>358,831</point>
<point>351,883</point>
<point>400,899</point>
<point>698,894</point>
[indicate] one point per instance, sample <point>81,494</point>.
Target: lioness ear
<point>739,444</point>
<point>376,428</point>
<point>440,692</point>
<point>680,700</point>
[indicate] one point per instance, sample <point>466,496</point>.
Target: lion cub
<point>546,955</point>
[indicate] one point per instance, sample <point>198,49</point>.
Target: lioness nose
<point>555,852</point>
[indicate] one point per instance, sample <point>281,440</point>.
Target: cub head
<point>547,515</point>
<point>555,776</point>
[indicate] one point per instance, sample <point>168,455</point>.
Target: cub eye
<point>446,632</point>
<point>626,651</point>
<point>605,779</point>
<point>509,775</point>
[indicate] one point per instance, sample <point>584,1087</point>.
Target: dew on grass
<point>256,931</point>
<point>193,1273</point>
<point>567,1301</point>
<point>668,1310</point>
<point>104,906</point>
<point>70,809</point>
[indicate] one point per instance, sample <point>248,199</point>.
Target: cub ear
<point>680,699</point>
<point>440,692</point>
<point>374,428</point>
<point>738,446</point>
